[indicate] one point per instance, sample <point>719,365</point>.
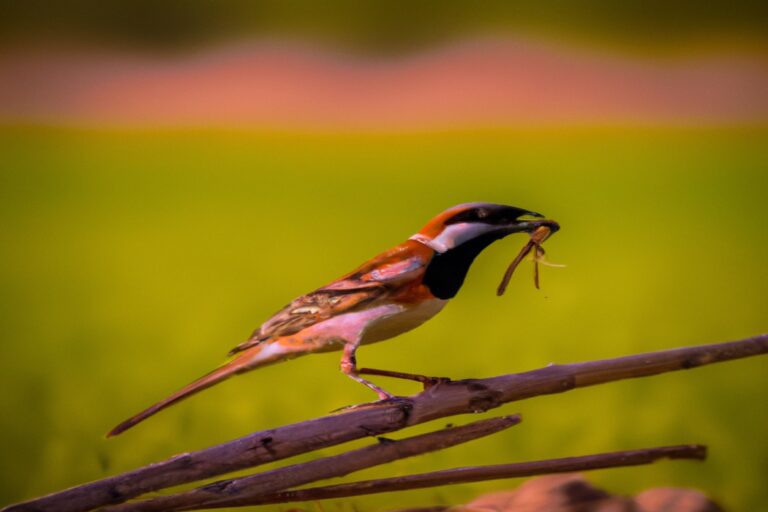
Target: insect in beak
<point>542,231</point>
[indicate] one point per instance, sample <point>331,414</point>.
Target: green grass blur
<point>131,261</point>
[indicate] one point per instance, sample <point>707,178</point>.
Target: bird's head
<point>460,233</point>
<point>471,222</point>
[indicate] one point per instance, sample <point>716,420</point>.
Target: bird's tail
<point>259,355</point>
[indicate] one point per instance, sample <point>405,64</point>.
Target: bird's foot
<point>384,395</point>
<point>395,400</point>
<point>390,400</point>
<point>426,381</point>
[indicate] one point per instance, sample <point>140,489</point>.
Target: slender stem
<point>441,400</point>
<point>291,476</point>
<point>480,473</point>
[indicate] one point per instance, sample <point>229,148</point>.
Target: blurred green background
<point>131,260</point>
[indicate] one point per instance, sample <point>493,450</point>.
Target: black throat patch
<point>446,271</point>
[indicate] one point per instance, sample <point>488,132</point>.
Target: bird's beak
<point>529,226</point>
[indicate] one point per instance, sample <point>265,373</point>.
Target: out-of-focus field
<point>131,261</point>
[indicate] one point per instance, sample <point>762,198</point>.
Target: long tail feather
<point>247,360</point>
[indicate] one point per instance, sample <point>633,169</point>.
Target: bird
<point>391,293</point>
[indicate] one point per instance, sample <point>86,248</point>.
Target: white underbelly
<point>370,325</point>
<point>406,319</point>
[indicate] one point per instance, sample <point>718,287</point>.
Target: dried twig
<point>320,469</point>
<point>474,474</point>
<point>443,399</point>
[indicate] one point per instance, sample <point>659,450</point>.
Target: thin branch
<point>476,474</point>
<point>440,400</point>
<point>338,465</point>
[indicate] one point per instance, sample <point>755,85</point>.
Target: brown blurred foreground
<point>292,85</point>
<point>572,493</point>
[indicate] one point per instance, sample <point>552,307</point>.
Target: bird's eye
<point>470,215</point>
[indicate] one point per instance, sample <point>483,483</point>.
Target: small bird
<point>388,295</point>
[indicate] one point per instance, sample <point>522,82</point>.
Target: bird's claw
<point>399,400</point>
<point>434,381</point>
<point>390,400</point>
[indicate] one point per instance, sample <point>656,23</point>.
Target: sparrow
<point>388,295</point>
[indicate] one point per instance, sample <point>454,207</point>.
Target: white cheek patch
<point>455,235</point>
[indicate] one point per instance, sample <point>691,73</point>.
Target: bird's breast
<point>408,317</point>
<point>368,325</point>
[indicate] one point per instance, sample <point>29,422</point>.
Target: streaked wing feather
<point>367,284</point>
<point>310,309</point>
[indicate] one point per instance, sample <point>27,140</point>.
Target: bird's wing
<point>371,283</point>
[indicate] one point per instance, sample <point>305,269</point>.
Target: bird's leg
<point>427,381</point>
<point>349,368</point>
